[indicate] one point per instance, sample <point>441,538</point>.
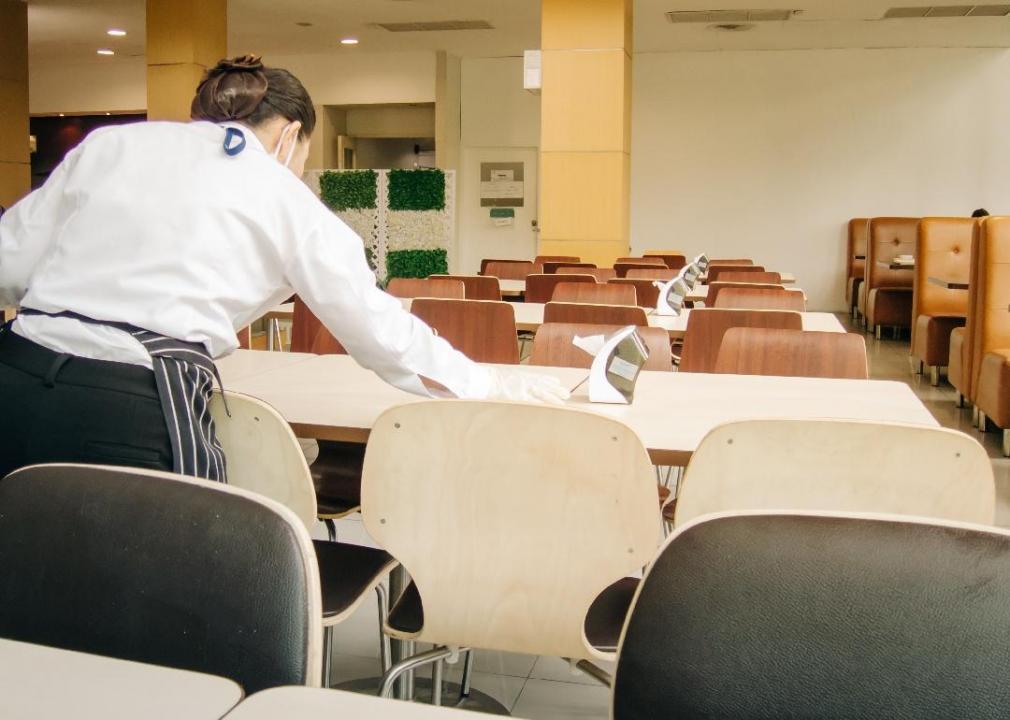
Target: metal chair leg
<point>409,664</point>
<point>878,331</point>
<point>934,376</point>
<point>384,644</point>
<point>327,655</point>
<point>331,529</point>
<point>464,683</point>
<point>436,683</point>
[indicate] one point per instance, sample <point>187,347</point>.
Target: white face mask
<point>280,143</point>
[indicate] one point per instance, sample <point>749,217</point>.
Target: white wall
<point>768,154</point>
<point>83,88</point>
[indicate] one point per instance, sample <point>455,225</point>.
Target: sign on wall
<point>502,184</point>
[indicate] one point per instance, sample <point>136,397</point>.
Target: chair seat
<point>336,474</point>
<point>347,572</point>
<point>604,620</point>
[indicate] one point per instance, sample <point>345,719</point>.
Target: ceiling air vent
<point>948,11</point>
<point>729,17</point>
<point>437,26</point>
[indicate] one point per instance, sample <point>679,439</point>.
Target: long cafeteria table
<point>302,703</point>
<point>331,397</point>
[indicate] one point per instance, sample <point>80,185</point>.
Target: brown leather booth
<point>855,261</point>
<point>960,367</point>
<point>885,297</point>
<point>991,335</point>
<point>943,251</point>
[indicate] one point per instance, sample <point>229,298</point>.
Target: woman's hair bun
<point>231,90</point>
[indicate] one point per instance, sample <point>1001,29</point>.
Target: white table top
<point>332,398</point>
<point>47,683</point>
<point>512,288</point>
<point>812,322</point>
<point>785,279</point>
<point>301,703</point>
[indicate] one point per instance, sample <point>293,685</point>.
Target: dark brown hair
<point>243,90</point>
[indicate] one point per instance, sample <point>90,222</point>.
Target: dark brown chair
<point>885,297</point>
<point>792,353</point>
<point>706,329</point>
<point>508,269</point>
<point>427,287</point>
<point>477,287</point>
<point>602,275</point>
<point>715,288</point>
<point>540,288</point>
<point>622,268</point>
<point>855,261</point>
<point>597,293</point>
<point>539,260</point>
<point>674,261</point>
<point>552,346</point>
<point>961,365</point>
<point>581,313</point>
<point>765,278</point>
<point>739,298</point>
<point>550,267</point>
<point>645,290</point>
<point>716,270</point>
<point>483,331</point>
<point>654,273</point>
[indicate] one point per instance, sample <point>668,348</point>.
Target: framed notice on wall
<point>502,185</point>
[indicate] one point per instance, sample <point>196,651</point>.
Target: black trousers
<point>59,408</point>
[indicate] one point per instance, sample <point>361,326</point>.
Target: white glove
<point>526,387</point>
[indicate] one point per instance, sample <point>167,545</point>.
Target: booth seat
<point>855,261</point>
<point>991,338</point>
<point>885,297</point>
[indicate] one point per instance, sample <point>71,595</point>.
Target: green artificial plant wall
<point>416,190</point>
<point>416,263</point>
<point>349,190</point>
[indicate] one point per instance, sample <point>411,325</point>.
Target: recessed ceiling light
<point>108,113</point>
<point>106,51</point>
<point>115,32</point>
<point>349,41</point>
<point>61,115</point>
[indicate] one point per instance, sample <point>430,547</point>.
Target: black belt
<point>184,373</point>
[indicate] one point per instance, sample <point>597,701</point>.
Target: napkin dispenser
<point>701,262</point>
<point>616,368</point>
<point>691,275</point>
<point>671,296</point>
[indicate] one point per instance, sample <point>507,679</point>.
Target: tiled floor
<point>546,687</point>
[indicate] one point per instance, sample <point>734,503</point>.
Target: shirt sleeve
<point>329,272</point>
<point>28,230</point>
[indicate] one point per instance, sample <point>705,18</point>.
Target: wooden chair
<point>508,269</point>
<point>765,278</point>
<point>580,313</point>
<point>539,260</point>
<point>642,261</point>
<point>552,346</point>
<point>584,488</point>
<point>674,261</point>
<point>476,287</point>
<point>427,287</point>
<point>715,272</point>
<point>622,268</point>
<point>264,457</point>
<point>715,288</point>
<point>838,466</point>
<point>598,293</point>
<point>540,288</point>
<point>730,261</point>
<point>550,267</point>
<point>792,353</point>
<point>740,298</point>
<point>483,331</point>
<point>602,275</point>
<point>653,273</point>
<point>707,328</point>
<point>645,290</point>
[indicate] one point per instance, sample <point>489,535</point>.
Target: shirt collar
<point>252,141</point>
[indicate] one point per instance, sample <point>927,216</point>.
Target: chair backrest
<point>309,335</point>
<point>889,237</point>
<point>730,261</point>
<point>426,287</point>
<point>989,329</point>
<point>539,260</point>
<point>476,287</point>
<point>674,261</point>
<point>508,269</point>
<point>792,353</point>
<point>942,250</point>
<point>646,291</point>
<point>642,261</point>
<point>552,346</point>
<point>483,331</point>
<point>622,268</point>
<point>551,266</point>
<point>599,293</point>
<point>540,288</point>
<point>263,454</point>
<point>855,256</point>
<point>601,274</point>
<point>743,298</point>
<point>765,278</point>
<point>584,313</point>
<point>820,616</point>
<point>716,287</point>
<point>653,273</point>
<point>580,485</point>
<point>716,271</point>
<point>838,466</point>
<point>161,569</point>
<point>706,329</point>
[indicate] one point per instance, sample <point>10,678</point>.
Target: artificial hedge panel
<point>416,190</point>
<point>349,190</point>
<point>416,263</point>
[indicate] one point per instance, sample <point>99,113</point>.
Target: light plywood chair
<point>742,298</point>
<point>792,353</point>
<point>838,466</point>
<point>554,584</point>
<point>426,287</point>
<point>585,313</point>
<point>599,293</point>
<point>552,346</point>
<point>707,328</point>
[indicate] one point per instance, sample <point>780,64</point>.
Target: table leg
<point>398,580</point>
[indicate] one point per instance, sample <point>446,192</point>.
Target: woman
<point>150,245</point>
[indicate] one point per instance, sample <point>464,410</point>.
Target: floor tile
<point>546,700</point>
<point>559,670</point>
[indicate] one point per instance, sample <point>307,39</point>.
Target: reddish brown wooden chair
<point>483,331</point>
<point>602,275</point>
<point>582,313</point>
<point>507,269</point>
<point>622,268</point>
<point>642,261</point>
<point>309,335</point>
<point>540,288</point>
<point>706,328</point>
<point>645,290</point>
<point>477,287</point>
<point>552,346</point>
<point>597,293</point>
<point>551,267</point>
<point>740,298</point>
<point>731,261</point>
<point>673,261</point>
<point>539,260</point>
<point>716,271</point>
<point>715,288</point>
<point>654,273</point>
<point>792,353</point>
<point>427,287</point>
<point>766,278</point>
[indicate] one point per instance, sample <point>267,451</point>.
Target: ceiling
<point>72,30</point>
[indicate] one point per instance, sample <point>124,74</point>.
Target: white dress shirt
<point>154,225</point>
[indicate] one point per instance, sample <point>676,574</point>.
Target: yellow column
<point>585,131</point>
<point>15,160</point>
<point>184,38</point>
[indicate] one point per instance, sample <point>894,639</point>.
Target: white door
<point>478,236</point>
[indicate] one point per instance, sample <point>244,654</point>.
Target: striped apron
<point>184,373</point>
